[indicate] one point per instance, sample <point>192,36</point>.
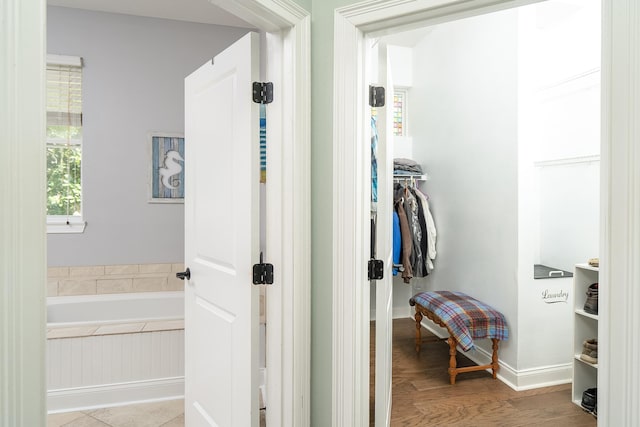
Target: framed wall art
<point>167,168</point>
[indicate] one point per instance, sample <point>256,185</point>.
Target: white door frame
<point>22,213</point>
<point>289,205</point>
<point>384,238</point>
<point>620,199</point>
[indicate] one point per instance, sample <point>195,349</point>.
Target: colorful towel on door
<point>374,165</point>
<point>263,143</point>
<point>466,317</point>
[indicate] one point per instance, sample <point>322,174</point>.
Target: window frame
<point>404,91</point>
<point>62,224</point>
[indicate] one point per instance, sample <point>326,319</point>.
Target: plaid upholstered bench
<point>466,319</point>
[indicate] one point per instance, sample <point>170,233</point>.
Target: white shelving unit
<point>585,326</point>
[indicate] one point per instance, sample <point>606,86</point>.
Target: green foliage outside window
<point>64,155</point>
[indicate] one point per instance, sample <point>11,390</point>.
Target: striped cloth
<point>466,317</point>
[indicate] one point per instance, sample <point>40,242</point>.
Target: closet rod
<point>414,177</point>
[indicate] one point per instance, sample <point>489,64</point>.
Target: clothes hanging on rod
<point>430,228</point>
<point>411,208</point>
<point>407,241</point>
<point>417,233</point>
<point>397,242</point>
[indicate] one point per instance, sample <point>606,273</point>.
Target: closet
<point>505,125</point>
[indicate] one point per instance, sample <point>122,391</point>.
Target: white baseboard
<point>397,313</point>
<point>543,376</point>
<point>525,379</point>
<point>402,312</point>
<point>102,396</point>
<point>263,387</point>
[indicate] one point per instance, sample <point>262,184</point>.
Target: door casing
<point>288,211</point>
<point>288,307</point>
<point>620,201</point>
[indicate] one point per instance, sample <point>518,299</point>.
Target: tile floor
<point>169,413</point>
<point>155,414</point>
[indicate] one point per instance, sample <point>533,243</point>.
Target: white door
<point>222,239</point>
<point>384,247</point>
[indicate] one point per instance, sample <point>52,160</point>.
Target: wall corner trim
<point>619,319</point>
<point>22,213</point>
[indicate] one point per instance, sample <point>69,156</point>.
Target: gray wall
<point>134,70</point>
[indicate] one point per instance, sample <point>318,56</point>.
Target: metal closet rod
<point>410,177</point>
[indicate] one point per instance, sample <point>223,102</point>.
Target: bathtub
<point>114,308</point>
<point>116,349</point>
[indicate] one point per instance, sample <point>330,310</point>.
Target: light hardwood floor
<point>422,395</point>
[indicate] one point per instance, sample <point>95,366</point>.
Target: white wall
<point>569,213</point>
<point>134,70</point>
<point>559,140</point>
<point>401,64</point>
<point>559,46</point>
<point>463,116</point>
<point>401,294</point>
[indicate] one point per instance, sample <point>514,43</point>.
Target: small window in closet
<point>399,112</point>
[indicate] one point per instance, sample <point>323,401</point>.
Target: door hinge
<point>263,92</point>
<point>376,269</point>
<point>262,273</point>
<point>376,96</point>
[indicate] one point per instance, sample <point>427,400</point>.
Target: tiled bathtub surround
<point>117,279</point>
<point>111,329</point>
<point>112,279</point>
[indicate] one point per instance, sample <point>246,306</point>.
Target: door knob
<point>184,274</point>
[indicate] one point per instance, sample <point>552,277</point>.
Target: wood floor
<point>422,395</point>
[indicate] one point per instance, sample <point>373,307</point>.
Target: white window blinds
<point>64,91</point>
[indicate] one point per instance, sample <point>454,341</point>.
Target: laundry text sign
<point>552,297</point>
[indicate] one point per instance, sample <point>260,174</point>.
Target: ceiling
<point>182,10</point>
<point>408,38</point>
<point>548,13</point>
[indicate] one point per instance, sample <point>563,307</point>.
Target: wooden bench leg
<point>494,358</point>
<point>452,360</point>
<point>418,318</point>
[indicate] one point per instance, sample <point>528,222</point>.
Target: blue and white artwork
<point>167,168</point>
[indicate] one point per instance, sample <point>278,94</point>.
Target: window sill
<point>55,226</point>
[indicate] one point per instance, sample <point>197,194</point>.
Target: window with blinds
<point>64,138</point>
<point>399,112</point>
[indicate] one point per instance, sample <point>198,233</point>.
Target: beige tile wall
<point>117,279</point>
<point>110,279</point>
